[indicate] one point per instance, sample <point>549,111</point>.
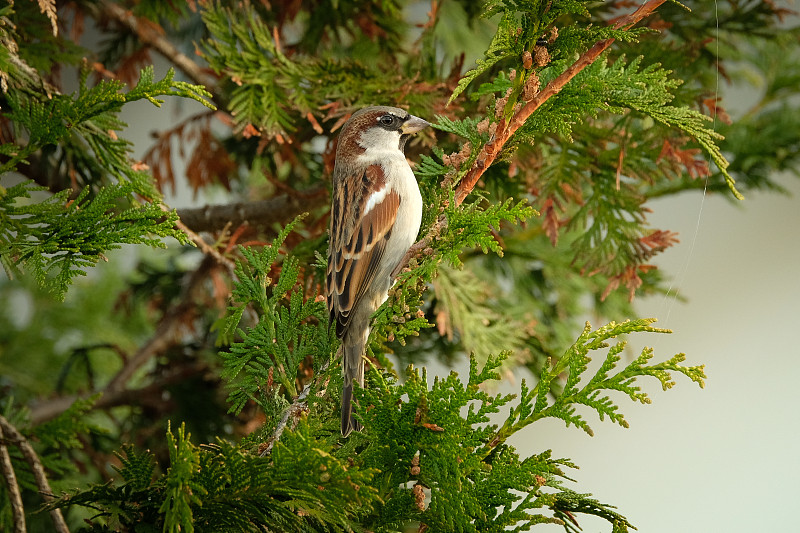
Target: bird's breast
<point>401,178</point>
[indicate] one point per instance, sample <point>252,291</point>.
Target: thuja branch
<point>292,413</point>
<point>7,469</point>
<point>12,435</point>
<point>204,246</point>
<point>506,128</point>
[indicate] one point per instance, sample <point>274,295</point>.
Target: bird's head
<point>377,129</point>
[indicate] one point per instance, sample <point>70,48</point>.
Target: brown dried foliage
<point>685,158</point>
<point>48,8</point>
<point>646,248</point>
<point>208,163</point>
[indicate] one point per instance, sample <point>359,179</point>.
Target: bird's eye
<point>387,120</point>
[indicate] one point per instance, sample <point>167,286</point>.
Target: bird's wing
<point>357,247</point>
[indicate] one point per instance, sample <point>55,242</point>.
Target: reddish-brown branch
<point>12,435</point>
<point>505,130</point>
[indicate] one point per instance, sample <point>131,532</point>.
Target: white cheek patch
<point>378,140</point>
<point>374,199</point>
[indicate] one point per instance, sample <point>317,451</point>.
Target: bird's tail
<point>352,370</point>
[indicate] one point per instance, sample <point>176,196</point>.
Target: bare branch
<point>292,412</point>
<point>151,37</point>
<point>261,213</point>
<point>17,510</point>
<point>15,437</point>
<point>163,338</point>
<point>203,245</point>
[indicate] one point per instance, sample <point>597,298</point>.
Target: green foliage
<point>466,128</point>
<point>137,468</point>
<point>428,454</point>
<point>536,8</point>
<point>181,491</point>
<point>400,317</point>
<point>437,437</point>
<point>619,88</point>
<point>56,443</point>
<point>57,239</point>
<point>62,432</point>
<point>464,308</point>
<point>218,487</point>
<point>599,247</point>
<point>523,23</point>
<point>535,404</point>
<point>470,226</point>
<point>644,99</point>
<point>500,48</point>
<point>276,93</point>
<point>290,328</point>
<point>91,116</point>
<point>247,45</point>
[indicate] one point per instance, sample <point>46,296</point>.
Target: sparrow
<point>376,212</point>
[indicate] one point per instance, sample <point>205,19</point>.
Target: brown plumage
<point>375,216</point>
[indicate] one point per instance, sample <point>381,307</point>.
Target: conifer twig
<point>11,434</point>
<point>292,412</point>
<point>17,510</point>
<point>505,130</point>
<point>203,245</point>
<point>151,37</point>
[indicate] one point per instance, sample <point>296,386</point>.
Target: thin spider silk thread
<point>671,297</point>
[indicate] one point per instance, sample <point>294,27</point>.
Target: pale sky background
<point>723,458</point>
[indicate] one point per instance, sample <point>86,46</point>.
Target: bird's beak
<point>413,125</point>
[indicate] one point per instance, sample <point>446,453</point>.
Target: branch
<point>203,245</point>
<point>151,395</point>
<point>150,36</point>
<point>505,130</point>
<point>292,412</point>
<point>25,69</point>
<point>16,438</point>
<point>163,338</point>
<point>279,209</point>
<point>17,510</point>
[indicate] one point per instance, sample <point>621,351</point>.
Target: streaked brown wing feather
<point>354,256</point>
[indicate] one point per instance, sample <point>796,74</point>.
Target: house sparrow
<point>376,213</point>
